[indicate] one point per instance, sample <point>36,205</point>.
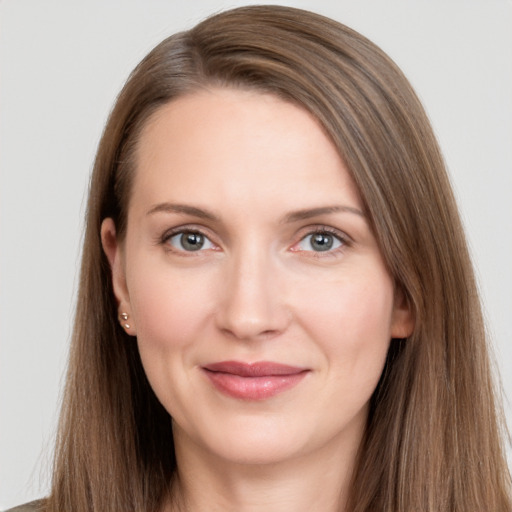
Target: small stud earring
<point>124,317</point>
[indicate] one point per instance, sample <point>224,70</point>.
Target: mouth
<point>253,381</point>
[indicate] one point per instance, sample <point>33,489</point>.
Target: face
<point>262,307</point>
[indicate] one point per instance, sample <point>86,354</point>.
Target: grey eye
<point>319,242</point>
<point>190,241</point>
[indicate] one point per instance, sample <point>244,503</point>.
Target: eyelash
<point>168,235</point>
<point>342,238</point>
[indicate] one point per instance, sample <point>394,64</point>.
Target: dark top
<point>33,506</point>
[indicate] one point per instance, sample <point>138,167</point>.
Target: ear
<point>115,255</point>
<point>402,322</point>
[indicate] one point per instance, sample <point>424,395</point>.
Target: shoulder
<point>33,506</point>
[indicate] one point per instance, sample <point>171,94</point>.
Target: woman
<point>273,259</point>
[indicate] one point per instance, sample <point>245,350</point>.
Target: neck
<point>314,481</point>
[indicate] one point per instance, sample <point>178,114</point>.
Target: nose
<point>252,301</point>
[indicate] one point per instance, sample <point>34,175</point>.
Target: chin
<point>269,439</point>
<point>258,451</point>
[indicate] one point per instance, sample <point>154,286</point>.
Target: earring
<point>124,318</point>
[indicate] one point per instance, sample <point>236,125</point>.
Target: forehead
<point>238,143</point>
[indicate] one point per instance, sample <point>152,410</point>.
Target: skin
<point>257,290</point>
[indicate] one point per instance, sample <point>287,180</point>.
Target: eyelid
<point>346,240</point>
<point>188,228</point>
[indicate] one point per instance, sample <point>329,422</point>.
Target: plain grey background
<point>62,62</point>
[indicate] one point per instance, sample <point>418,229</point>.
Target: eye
<point>189,241</point>
<point>320,241</point>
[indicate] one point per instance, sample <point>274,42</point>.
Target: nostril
<point>248,334</point>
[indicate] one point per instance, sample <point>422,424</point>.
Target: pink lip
<point>255,381</point>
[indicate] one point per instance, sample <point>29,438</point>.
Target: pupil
<point>322,242</point>
<point>192,241</point>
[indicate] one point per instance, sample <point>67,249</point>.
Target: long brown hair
<point>433,440</point>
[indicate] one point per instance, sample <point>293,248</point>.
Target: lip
<point>253,381</point>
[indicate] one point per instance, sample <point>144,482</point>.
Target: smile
<point>256,381</point>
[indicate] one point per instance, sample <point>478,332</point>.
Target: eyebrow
<point>324,210</point>
<point>287,219</point>
<point>182,208</point>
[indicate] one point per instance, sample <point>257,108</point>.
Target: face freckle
<point>261,304</point>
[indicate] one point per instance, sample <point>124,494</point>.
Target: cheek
<point>169,308</point>
<point>171,314</point>
<point>351,322</point>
